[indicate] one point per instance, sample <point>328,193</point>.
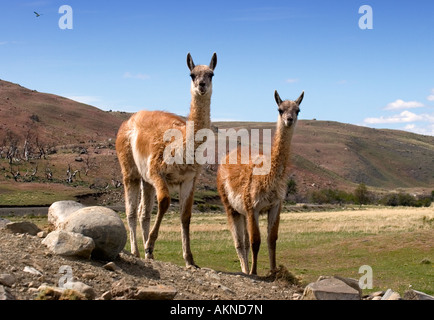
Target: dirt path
<point>36,211</point>
<point>23,211</point>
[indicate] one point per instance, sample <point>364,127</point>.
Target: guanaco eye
<point>298,111</point>
<point>280,111</point>
<point>193,76</point>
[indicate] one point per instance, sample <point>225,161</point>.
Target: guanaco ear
<point>213,62</point>
<point>277,98</point>
<point>300,98</point>
<point>190,62</point>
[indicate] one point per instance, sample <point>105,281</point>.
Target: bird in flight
<point>37,14</point>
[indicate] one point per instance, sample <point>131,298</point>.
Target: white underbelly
<point>236,200</point>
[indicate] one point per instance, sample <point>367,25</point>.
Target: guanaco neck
<point>200,111</point>
<point>280,153</point>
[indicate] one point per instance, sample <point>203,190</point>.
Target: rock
<point>59,211</point>
<point>222,287</point>
<point>120,288</point>
<point>32,271</point>
<point>46,292</point>
<point>54,293</point>
<point>377,295</point>
<point>391,295</point>
<point>7,280</point>
<point>101,224</point>
<point>353,283</point>
<point>330,289</point>
<point>42,234</point>
<point>159,292</point>
<point>69,244</point>
<point>394,296</point>
<point>5,294</point>
<point>107,295</point>
<point>226,289</point>
<point>111,266</point>
<point>296,296</point>
<point>415,295</point>
<point>89,275</point>
<point>23,227</point>
<point>82,288</point>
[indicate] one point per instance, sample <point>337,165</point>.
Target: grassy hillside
<point>52,119</point>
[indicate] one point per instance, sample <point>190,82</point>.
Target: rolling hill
<point>54,119</point>
<point>326,154</point>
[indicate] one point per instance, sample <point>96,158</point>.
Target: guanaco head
<point>201,76</point>
<point>288,110</point>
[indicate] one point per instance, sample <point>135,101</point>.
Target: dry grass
<point>370,221</point>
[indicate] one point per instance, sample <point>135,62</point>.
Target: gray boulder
<point>59,211</point>
<point>391,295</point>
<point>417,295</point>
<point>101,224</point>
<point>83,288</point>
<point>23,227</point>
<point>69,244</point>
<point>330,289</point>
<point>69,289</point>
<point>7,279</point>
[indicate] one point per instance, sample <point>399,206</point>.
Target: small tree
<point>361,194</point>
<point>292,186</point>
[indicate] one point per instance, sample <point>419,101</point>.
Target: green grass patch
<point>37,194</point>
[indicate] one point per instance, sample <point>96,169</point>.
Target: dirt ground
<point>18,251</point>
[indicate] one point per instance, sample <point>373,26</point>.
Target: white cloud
<point>431,97</point>
<point>425,130</point>
<point>420,123</point>
<point>404,117</point>
<point>401,104</point>
<point>85,99</point>
<point>292,80</point>
<point>140,76</point>
<point>410,127</point>
<point>3,43</point>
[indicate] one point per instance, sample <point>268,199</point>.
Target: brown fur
<point>140,147</point>
<point>246,195</point>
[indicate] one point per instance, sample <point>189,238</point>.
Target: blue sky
<point>131,55</point>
